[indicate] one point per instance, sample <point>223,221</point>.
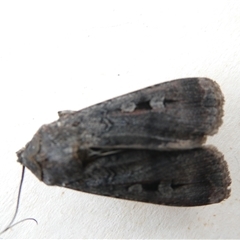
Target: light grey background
<point>67,55</point>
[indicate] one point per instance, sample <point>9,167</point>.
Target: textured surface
<point>57,55</point>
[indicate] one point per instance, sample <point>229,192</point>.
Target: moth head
<point>27,156</point>
<point>51,156</point>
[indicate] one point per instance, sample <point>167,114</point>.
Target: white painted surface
<point>60,55</point>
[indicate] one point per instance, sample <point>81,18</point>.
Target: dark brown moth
<point>143,146</point>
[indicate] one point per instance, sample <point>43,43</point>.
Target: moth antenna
<point>10,225</point>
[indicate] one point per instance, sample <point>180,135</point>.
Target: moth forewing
<point>172,115</point>
<point>179,178</point>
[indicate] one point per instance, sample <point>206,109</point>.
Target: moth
<point>144,146</point>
